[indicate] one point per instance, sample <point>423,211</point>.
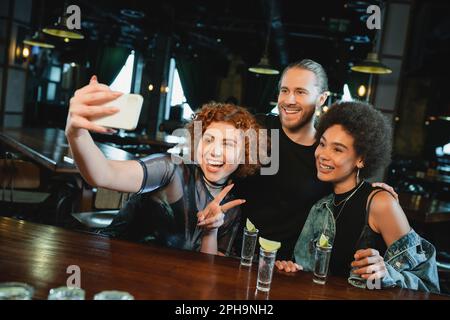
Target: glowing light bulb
<point>362,91</point>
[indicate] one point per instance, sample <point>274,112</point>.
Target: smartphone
<point>127,118</point>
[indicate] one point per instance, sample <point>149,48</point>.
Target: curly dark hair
<point>369,129</point>
<point>240,118</point>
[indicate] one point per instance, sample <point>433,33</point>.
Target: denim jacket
<point>410,261</point>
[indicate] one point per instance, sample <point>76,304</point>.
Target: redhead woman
<point>177,204</point>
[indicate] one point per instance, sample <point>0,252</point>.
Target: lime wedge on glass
<point>250,226</point>
<point>324,241</point>
<point>269,245</point>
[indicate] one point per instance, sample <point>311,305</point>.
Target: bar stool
<point>20,183</point>
<point>109,203</point>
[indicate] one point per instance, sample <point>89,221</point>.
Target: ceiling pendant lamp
<point>263,67</point>
<point>371,65</point>
<point>38,40</point>
<point>60,29</point>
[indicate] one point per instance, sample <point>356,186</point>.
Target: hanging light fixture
<point>38,40</point>
<point>371,65</point>
<point>263,67</point>
<point>60,29</point>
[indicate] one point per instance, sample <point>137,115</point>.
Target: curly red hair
<point>237,116</point>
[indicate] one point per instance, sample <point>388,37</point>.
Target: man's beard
<point>307,117</point>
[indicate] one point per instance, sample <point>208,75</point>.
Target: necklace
<point>213,188</point>
<point>213,185</point>
<point>339,203</point>
<point>345,201</point>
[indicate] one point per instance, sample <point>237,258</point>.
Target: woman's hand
<point>85,105</point>
<point>288,266</point>
<point>212,217</point>
<point>369,264</point>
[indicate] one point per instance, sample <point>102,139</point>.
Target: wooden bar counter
<point>40,255</point>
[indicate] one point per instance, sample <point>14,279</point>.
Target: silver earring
<point>357,176</point>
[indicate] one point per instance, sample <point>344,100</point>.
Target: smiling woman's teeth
<point>215,163</point>
<point>326,167</point>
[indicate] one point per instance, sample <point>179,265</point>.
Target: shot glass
<point>321,262</point>
<point>356,280</point>
<point>265,269</point>
<point>248,246</point>
<point>66,293</point>
<point>113,295</point>
<point>16,291</point>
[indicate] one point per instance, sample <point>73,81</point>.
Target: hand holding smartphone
<point>127,118</point>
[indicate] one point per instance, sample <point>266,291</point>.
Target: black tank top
<point>352,229</point>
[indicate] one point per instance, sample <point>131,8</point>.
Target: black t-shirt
<point>279,204</point>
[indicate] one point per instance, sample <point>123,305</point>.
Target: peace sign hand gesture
<point>213,215</point>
